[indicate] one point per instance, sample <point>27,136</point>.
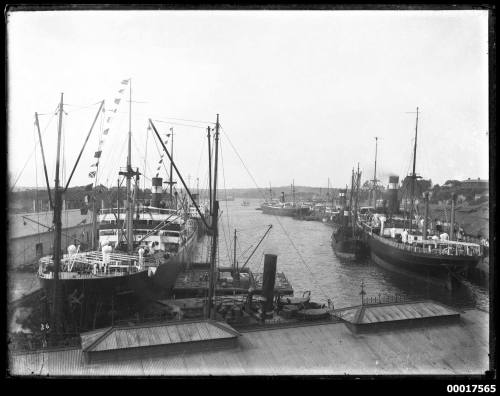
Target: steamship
<point>167,235</point>
<point>137,251</point>
<point>405,245</point>
<point>282,208</point>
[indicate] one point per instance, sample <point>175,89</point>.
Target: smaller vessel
<point>283,208</point>
<point>347,239</point>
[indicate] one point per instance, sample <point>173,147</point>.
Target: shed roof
<point>319,349</point>
<point>20,227</point>
<point>113,338</point>
<point>370,314</point>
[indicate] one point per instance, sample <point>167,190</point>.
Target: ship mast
<point>209,171</point>
<point>170,182</point>
<point>413,175</point>
<point>56,299</point>
<point>215,214</point>
<point>129,173</point>
<point>356,201</point>
<point>375,175</point>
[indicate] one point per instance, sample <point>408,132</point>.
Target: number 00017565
<point>471,388</point>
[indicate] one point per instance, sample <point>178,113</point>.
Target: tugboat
<point>405,245</point>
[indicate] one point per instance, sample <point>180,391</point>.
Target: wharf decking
<point>195,280</point>
<point>322,349</point>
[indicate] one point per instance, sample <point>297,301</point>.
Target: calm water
<point>306,257</point>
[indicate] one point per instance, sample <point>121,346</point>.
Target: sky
<point>301,94</point>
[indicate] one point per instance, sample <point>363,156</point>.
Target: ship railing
<point>438,247</point>
<point>21,343</point>
<point>93,263</point>
<point>391,299</point>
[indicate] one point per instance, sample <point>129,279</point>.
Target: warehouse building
<point>31,235</point>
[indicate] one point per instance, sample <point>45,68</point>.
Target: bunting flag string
<point>105,132</point>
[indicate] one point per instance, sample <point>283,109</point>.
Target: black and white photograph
<point>249,192</point>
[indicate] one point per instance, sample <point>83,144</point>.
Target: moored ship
<point>346,239</point>
<point>407,245</point>
<point>283,208</point>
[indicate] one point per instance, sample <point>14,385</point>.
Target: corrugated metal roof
<point>326,349</point>
<point>365,314</point>
<point>157,334</point>
<point>19,227</point>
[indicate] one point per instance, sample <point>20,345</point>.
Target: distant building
<point>481,195</point>
<point>475,184</point>
<point>30,238</point>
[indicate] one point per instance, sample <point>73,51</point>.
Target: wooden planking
<point>402,311</point>
<point>319,349</point>
<point>423,310</point>
<point>173,333</point>
<point>183,334</point>
<point>397,312</point>
<point>157,335</point>
<point>192,332</point>
<point>87,339</point>
<point>203,330</point>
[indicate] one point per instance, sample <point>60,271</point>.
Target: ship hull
<point>433,268</point>
<point>350,249</point>
<point>166,273</point>
<point>291,212</point>
<point>99,287</point>
<point>347,246</point>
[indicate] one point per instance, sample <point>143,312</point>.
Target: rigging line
<point>31,154</point>
<point>183,119</point>
<point>159,152</point>
<point>201,156</point>
<point>100,136</point>
<point>119,154</point>
<point>36,186</point>
<point>276,217</point>
<point>145,161</point>
<point>86,106</point>
<point>243,163</point>
<point>225,243</point>
<point>178,123</point>
<point>224,184</point>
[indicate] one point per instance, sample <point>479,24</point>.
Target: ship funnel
<point>392,194</point>
<point>156,190</point>
<point>282,197</point>
<point>342,199</point>
<point>268,280</point>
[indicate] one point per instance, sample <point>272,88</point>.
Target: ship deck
<point>194,282</point>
